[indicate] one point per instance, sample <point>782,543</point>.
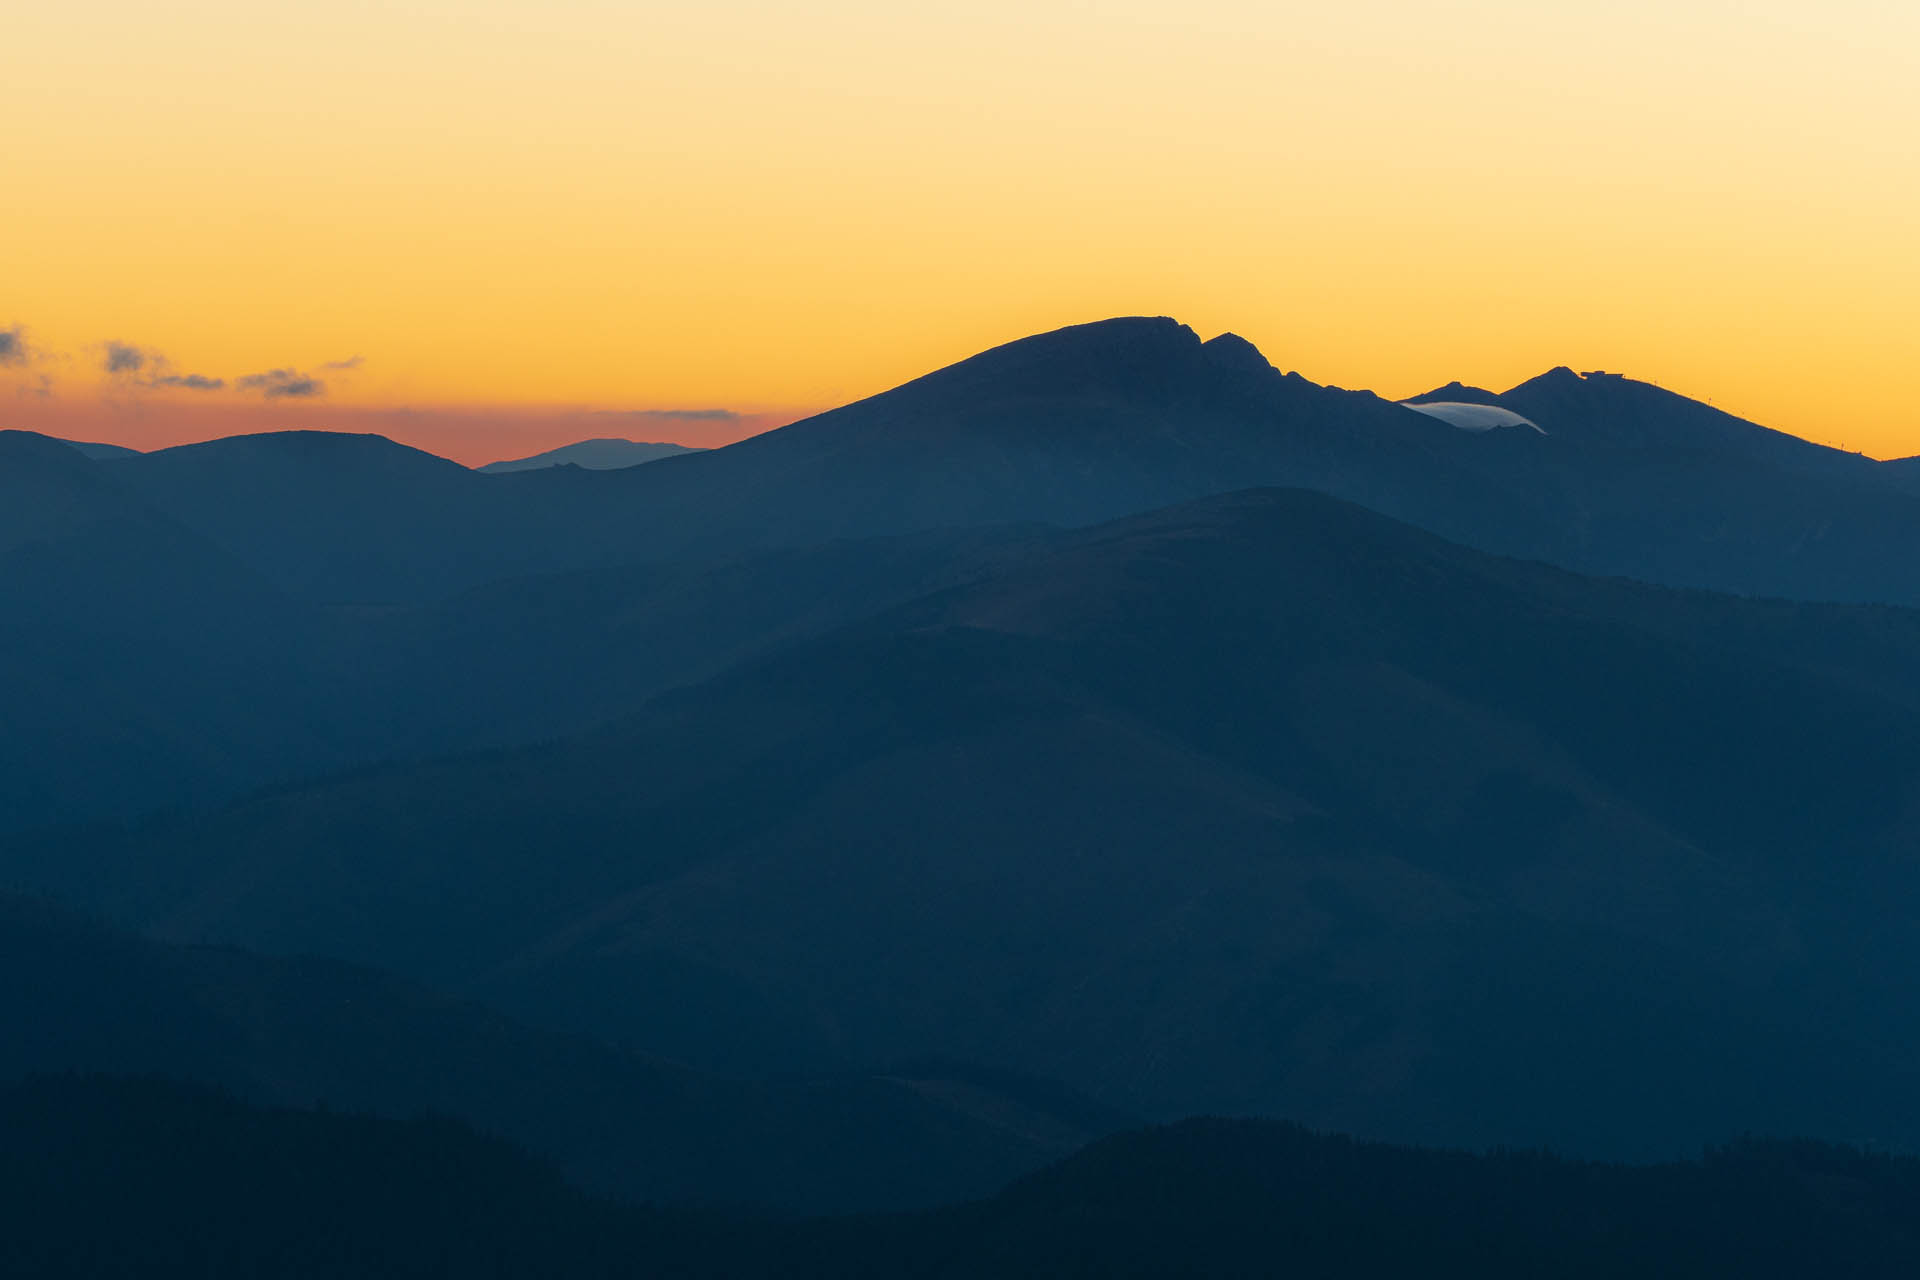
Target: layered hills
<point>1069,428</point>
<point>267,607</point>
<point>307,1032</point>
<point>1265,803</point>
<point>770,824</point>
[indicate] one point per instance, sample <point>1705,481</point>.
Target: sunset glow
<point>487,229</point>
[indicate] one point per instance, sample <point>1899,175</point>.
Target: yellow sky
<point>773,206</point>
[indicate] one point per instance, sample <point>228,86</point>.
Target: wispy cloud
<point>344,366</point>
<point>134,366</point>
<point>17,353</point>
<point>283,384</point>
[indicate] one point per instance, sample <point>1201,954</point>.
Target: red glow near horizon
<point>467,434</point>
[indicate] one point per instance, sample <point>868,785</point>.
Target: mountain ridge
<point>603,453</point>
<point>1084,424</point>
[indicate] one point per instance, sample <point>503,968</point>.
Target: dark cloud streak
<point>14,350</point>
<point>283,384</point>
<point>125,358</point>
<point>144,367</point>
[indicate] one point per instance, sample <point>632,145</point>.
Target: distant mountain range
<point>1071,428</point>
<point>1110,709</point>
<point>595,455</point>
<point>199,620</point>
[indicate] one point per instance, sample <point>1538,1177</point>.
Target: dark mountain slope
<point>301,1032</point>
<point>1261,804</point>
<point>1655,486</point>
<point>529,659</point>
<point>91,449</point>
<point>1904,472</point>
<point>148,669</point>
<point>134,654</point>
<point>334,517</point>
<point>1071,427</point>
<point>1600,412</point>
<point>49,490</point>
<point>1226,1199</point>
<point>112,1177</point>
<point>1608,411</point>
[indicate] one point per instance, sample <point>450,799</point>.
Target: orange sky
<point>523,219</point>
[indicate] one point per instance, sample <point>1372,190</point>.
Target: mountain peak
<point>1455,392</point>
<point>1128,352</point>
<point>1235,352</point>
<point>1558,378</point>
<point>1120,336</point>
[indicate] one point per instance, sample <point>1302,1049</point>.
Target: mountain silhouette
<point>53,491</point>
<point>235,680</point>
<point>1264,803</point>
<point>97,451</point>
<point>865,814</point>
<point>1121,416</point>
<point>333,517</point>
<point>1070,428</point>
<point>1904,471</point>
<point>607,454</point>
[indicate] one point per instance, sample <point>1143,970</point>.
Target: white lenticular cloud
<point>1473,417</point>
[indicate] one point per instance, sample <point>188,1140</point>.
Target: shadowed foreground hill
<point>105,1177</point>
<point>301,1032</point>
<point>1262,804</point>
<point>1224,1198</point>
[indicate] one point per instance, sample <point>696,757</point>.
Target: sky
<point>491,226</point>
